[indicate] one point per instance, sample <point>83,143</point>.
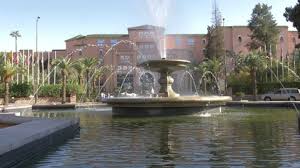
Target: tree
<point>79,67</point>
<point>98,75</point>
<point>65,66</point>
<point>214,67</point>
<point>7,71</point>
<point>215,36</point>
<point>89,65</point>
<point>254,62</point>
<point>16,35</point>
<point>264,28</point>
<point>292,14</point>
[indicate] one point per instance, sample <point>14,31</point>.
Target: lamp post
<point>36,50</point>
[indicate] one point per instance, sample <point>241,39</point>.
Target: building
<point>125,51</point>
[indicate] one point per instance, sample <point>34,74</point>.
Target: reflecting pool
<point>233,138</point>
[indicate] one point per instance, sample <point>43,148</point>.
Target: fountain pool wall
<point>31,136</point>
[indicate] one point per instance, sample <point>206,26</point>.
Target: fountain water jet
<point>168,102</point>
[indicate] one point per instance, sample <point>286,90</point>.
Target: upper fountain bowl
<point>165,65</point>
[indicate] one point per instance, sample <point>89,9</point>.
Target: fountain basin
<point>160,106</point>
<point>168,101</point>
<point>165,65</point>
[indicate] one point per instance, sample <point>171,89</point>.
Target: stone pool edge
<point>31,137</point>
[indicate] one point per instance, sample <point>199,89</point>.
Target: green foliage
<point>245,88</point>
<point>241,94</point>
<point>2,90</point>
<point>75,89</point>
<point>236,78</point>
<point>7,70</point>
<point>267,87</point>
<point>262,87</point>
<point>50,91</point>
<point>20,90</point>
<point>212,65</point>
<point>264,28</point>
<point>292,14</point>
<point>17,90</point>
<point>55,90</point>
<point>215,37</point>
<point>254,61</point>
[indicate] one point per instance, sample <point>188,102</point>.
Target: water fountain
<point>166,101</point>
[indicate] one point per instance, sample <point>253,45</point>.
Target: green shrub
<point>17,90</point>
<point>50,91</point>
<point>74,89</point>
<point>2,90</point>
<point>262,87</point>
<point>20,90</point>
<point>55,90</point>
<point>241,94</point>
<point>267,87</point>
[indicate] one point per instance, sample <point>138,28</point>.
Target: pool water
<point>233,138</point>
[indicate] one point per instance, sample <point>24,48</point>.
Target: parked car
<point>291,94</point>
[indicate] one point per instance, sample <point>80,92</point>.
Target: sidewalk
<point>14,107</point>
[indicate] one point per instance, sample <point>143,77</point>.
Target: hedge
<point>55,90</point>
<point>20,90</point>
<point>25,90</point>
<point>267,87</point>
<point>263,87</point>
<point>17,90</point>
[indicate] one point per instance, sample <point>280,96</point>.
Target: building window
<point>113,42</point>
<point>240,39</point>
<point>100,42</point>
<point>204,41</point>
<point>146,34</point>
<point>151,46</point>
<point>191,42</point>
<point>124,59</point>
<point>178,41</point>
<point>140,46</point>
<point>204,51</point>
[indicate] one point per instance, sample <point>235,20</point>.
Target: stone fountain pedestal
<point>165,68</point>
<point>168,101</point>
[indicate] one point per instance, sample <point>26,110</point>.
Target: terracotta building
<point>125,51</point>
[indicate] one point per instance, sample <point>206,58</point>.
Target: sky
<point>63,19</point>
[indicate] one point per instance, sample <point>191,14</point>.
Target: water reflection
<point>251,138</point>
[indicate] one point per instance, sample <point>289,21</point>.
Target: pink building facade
<point>147,42</point>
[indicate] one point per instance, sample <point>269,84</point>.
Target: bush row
<point>25,90</point>
<point>262,87</point>
<point>17,90</point>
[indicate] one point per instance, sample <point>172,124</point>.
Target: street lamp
<point>36,50</point>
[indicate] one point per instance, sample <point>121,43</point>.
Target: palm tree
<point>80,68</point>
<point>99,73</point>
<point>214,65</point>
<point>65,66</point>
<point>7,70</point>
<point>254,61</point>
<point>89,65</point>
<point>209,65</point>
<point>15,34</point>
